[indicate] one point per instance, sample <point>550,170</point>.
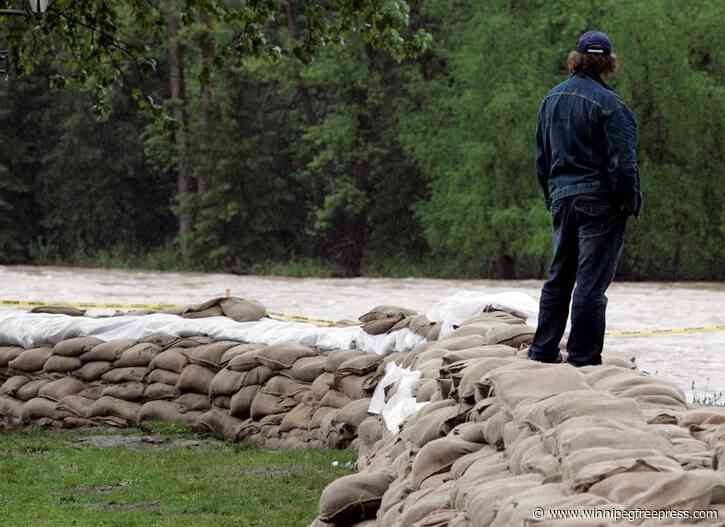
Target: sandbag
<point>130,391</point>
<point>700,417</point>
<point>138,355</point>
<point>30,389</point>
<point>9,353</point>
<point>40,408</point>
<point>110,406</point>
<point>92,371</point>
<point>166,411</point>
<point>299,417</point>
<point>336,358</point>
<point>358,387</point>
<point>265,404</point>
<point>121,375</point>
<point>593,473</point>
<point>257,376</point>
<point>691,490</point>
<point>243,310</point>
<point>361,364</point>
<point>478,352</point>
<point>193,402</point>
<point>335,399</point>
<point>107,351</point>
<point>31,360</point>
<point>354,498</point>
<point>76,405</point>
<point>438,456</point>
<point>210,355</point>
<point>57,390</point>
<point>322,384</point>
<point>160,391</point>
<point>13,384</point>
<point>196,379</point>
<point>10,407</point>
<point>163,376</point>
<point>384,312</point>
<point>239,349</point>
<point>221,423</point>
<point>173,359</point>
<point>284,386</point>
<point>60,364</point>
<point>241,403</point>
<point>75,347</point>
<point>283,356</point>
<point>353,414</point>
<point>226,382</point>
<point>307,369</point>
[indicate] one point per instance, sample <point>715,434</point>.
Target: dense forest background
<point>355,163</point>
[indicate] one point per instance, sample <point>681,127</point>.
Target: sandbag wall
<point>285,395</point>
<point>503,436</point>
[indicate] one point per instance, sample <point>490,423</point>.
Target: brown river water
<point>698,358</point>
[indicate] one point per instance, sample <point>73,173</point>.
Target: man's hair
<point>590,63</point>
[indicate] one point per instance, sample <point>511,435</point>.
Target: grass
<point>48,479</point>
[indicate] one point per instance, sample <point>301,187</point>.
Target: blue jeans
<point>588,240</point>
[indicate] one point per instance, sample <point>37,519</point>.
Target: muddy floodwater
<point>698,357</point>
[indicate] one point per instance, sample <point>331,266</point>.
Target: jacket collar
<point>594,77</point>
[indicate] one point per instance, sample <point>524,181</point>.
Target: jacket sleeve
<point>542,161</point>
<point>620,127</point>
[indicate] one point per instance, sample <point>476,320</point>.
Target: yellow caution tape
<point>672,331</point>
<point>319,321</point>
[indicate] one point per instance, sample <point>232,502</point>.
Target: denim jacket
<point>587,143</point>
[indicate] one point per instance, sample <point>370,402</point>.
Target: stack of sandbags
<point>239,309</point>
<point>505,435</point>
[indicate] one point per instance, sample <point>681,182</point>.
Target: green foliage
<point>339,138</point>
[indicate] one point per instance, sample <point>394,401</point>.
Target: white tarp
<point>461,306</point>
<point>20,328</point>
<point>402,404</point>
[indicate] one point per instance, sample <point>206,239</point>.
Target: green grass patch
<point>49,479</point>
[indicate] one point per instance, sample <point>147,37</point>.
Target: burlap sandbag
<point>460,467</point>
<point>222,401</point>
<point>257,376</point>
<point>283,356</point>
<point>92,392</point>
<point>438,456</point>
<point>691,490</point>
<point>160,391</point>
<point>361,364</point>
<point>169,412</point>
<point>76,404</point>
<point>13,384</point>
<point>242,309</point>
<point>60,364</point>
<point>10,408</point>
<point>700,417</point>
<point>284,386</point>
<point>369,432</point>
<point>221,423</point>
<point>550,412</point>
<point>245,361</point>
<point>265,404</point>
<point>57,390</point>
<point>241,402</point>
<point>485,485</point>
<point>121,375</point>
<point>529,455</point>
<point>593,473</point>
<point>384,312</point>
<point>425,390</point>
<point>299,417</point>
<point>110,406</point>
<point>9,353</point>
<point>129,391</point>
<point>354,498</point>
<point>379,327</point>
<point>470,431</point>
<point>239,349</point>
<point>479,352</point>
<point>226,382</point>
<point>173,359</point>
<point>353,414</point>
<point>434,425</point>
<point>336,358</point>
<point>588,432</point>
<point>210,355</point>
<point>516,510</point>
<point>139,355</point>
<point>358,387</point>
<point>76,347</point>
<point>193,402</point>
<point>335,399</point>
<point>163,376</point>
<point>530,384</point>
<point>108,351</point>
<point>322,384</point>
<point>92,371</point>
<point>40,408</point>
<point>31,360</point>
<point>424,502</point>
<point>307,369</point>
<point>195,379</point>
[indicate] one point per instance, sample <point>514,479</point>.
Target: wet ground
<point>698,358</point>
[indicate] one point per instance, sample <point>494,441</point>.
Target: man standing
<point>587,167</point>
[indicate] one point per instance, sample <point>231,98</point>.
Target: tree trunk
<point>177,90</point>
<point>208,51</point>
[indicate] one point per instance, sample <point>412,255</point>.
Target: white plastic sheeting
<point>28,330</point>
<point>402,404</point>
<point>458,308</point>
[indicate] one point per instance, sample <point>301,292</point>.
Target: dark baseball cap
<point>595,43</point>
